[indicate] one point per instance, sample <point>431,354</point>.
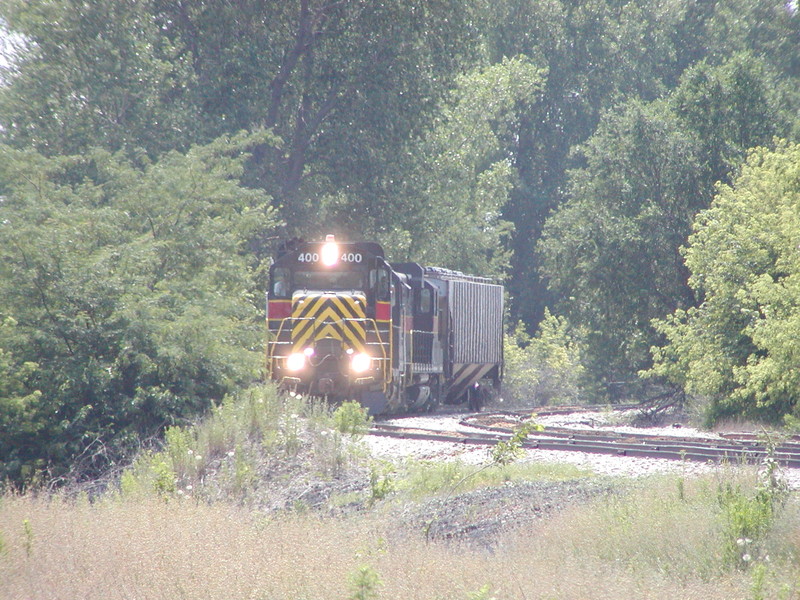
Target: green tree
<point>132,288</point>
<point>768,29</point>
<point>345,85</point>
<point>597,54</point>
<point>731,108</point>
<point>546,368</point>
<point>19,427</point>
<point>96,73</point>
<point>738,348</point>
<point>611,252</point>
<point>451,206</point>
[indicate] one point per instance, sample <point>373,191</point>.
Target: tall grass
<point>244,438</point>
<point>659,543</point>
<point>185,524</point>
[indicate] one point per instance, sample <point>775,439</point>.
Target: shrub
<point>352,418</point>
<point>545,368</point>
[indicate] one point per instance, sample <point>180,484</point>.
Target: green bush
<point>135,284</point>
<point>545,368</point>
<point>352,418</point>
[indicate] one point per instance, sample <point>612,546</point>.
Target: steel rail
<point>609,443</point>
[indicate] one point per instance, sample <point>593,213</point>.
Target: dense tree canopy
<point>127,294</point>
<point>611,251</point>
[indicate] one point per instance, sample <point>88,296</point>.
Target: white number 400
<point>313,257</point>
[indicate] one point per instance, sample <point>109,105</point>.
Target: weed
<point>507,451</point>
<point>331,452</point>
<point>181,451</point>
<point>163,477</point>
<point>749,518</point>
<point>289,430</point>
<point>759,581</point>
<point>381,481</point>
<point>364,583</point>
<point>352,418</point>
<point>243,471</point>
<point>481,594</point>
<point>28,530</point>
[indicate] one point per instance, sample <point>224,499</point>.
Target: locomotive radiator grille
<point>317,316</point>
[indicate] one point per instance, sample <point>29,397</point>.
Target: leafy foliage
<point>565,146</point>
<point>466,171</point>
<point>611,252</point>
<point>93,74</point>
<point>737,348</point>
<point>351,418</point>
<point>251,432</point>
<point>544,369</point>
<point>132,290</point>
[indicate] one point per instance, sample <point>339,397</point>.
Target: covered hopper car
<point>346,324</point>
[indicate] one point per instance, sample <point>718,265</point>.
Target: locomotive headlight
<point>330,252</point>
<point>360,363</point>
<point>296,361</point>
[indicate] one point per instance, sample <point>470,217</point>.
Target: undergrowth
<point>243,438</point>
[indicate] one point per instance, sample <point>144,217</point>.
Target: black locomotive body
<point>346,324</point>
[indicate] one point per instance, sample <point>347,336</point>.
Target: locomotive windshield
<point>329,280</point>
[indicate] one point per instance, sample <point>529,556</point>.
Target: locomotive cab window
<point>280,283</point>
<point>425,301</point>
<point>329,280</point>
<point>379,278</point>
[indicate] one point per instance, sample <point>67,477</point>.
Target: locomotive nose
<point>327,347</point>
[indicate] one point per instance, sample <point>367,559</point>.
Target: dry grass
<point>156,540</point>
<point>658,544</point>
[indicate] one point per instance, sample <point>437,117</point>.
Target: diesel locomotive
<point>344,323</point>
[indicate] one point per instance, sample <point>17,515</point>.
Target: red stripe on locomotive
<point>280,309</point>
<point>383,311</point>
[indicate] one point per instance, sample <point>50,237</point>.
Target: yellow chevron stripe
<point>330,315</point>
<point>329,324</point>
<point>313,318</point>
<point>352,307</point>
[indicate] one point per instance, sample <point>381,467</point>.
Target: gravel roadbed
<point>480,518</point>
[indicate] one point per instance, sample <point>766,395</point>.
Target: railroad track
<point>489,428</point>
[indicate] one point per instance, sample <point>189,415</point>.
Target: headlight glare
<point>360,363</point>
<point>330,252</point>
<point>296,361</point>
